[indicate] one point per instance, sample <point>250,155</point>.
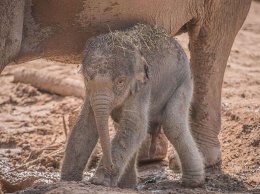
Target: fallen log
<point>50,82</point>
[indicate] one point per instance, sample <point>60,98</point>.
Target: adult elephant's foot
<point>208,143</point>
<point>211,155</point>
<point>209,148</point>
<point>205,128</point>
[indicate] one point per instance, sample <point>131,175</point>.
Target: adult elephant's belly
<point>59,30</point>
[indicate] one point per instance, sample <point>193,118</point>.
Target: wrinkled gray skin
<point>154,130</point>
<point>58,30</point>
<point>135,89</point>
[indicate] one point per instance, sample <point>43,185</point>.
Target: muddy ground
<point>32,131</point>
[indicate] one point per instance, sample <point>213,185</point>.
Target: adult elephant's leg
<point>11,28</point>
<point>80,145</point>
<point>210,45</point>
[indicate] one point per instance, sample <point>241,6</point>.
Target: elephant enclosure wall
<point>33,133</point>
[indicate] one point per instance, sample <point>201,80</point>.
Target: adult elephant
<point>58,30</point>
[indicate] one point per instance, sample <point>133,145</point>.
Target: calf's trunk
<point>101,111</point>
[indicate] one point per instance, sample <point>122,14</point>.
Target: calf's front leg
<point>80,145</point>
<point>131,133</point>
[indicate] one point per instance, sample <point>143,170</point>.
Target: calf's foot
<point>105,177</point>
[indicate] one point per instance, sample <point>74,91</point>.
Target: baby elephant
<point>139,77</point>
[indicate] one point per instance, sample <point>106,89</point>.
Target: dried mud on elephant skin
<point>30,119</point>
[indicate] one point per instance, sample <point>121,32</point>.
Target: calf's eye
<point>121,82</point>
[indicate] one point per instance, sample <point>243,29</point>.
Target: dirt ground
<point>32,130</point>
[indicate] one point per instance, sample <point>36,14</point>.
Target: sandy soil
<point>33,133</point>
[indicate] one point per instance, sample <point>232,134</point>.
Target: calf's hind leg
<point>176,129</point>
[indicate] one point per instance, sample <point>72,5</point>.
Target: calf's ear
<point>141,69</point>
